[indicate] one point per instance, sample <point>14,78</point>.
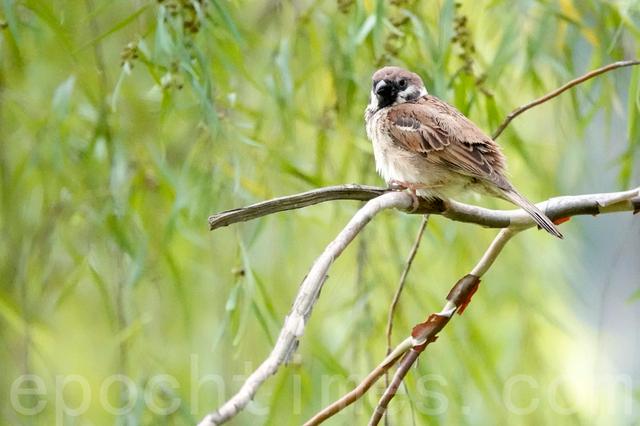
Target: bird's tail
<point>541,219</point>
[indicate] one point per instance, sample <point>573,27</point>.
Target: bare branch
<point>516,112</point>
<point>497,133</point>
<point>292,202</point>
<point>295,322</point>
<point>555,208</point>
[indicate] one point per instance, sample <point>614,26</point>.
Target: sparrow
<point>423,144</point>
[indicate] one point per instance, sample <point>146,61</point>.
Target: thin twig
<point>295,322</point>
<point>492,252</point>
<point>403,279</point>
<point>516,112</point>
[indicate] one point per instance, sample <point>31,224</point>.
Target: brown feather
<point>445,137</point>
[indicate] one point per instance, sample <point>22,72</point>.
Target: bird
<point>426,146</point>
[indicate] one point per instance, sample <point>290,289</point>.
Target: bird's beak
<point>386,93</point>
<point>381,87</point>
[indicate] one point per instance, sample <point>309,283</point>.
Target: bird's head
<point>395,85</point>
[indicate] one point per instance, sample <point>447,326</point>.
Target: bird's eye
<point>402,83</point>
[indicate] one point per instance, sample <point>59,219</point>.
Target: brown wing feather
<point>444,136</point>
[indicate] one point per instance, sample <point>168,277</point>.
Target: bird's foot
<point>412,188</point>
<point>397,185</point>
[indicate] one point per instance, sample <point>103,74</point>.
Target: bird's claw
<point>396,185</point>
<point>415,203</point>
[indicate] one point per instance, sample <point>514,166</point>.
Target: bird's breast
<point>393,162</point>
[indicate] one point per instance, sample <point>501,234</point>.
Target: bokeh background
<point>124,124</point>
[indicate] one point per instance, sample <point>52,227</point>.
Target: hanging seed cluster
<point>395,40</point>
<point>189,11</point>
<point>462,38</point>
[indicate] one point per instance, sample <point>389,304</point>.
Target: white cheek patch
<point>410,93</point>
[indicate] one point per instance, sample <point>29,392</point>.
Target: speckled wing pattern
<point>444,136</point>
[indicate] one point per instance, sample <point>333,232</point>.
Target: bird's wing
<point>444,136</point>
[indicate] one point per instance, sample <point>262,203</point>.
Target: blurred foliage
<point>124,124</point>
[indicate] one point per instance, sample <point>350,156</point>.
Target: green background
<point>124,124</point>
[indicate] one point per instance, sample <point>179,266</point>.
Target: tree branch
<point>555,208</point>
<point>292,202</point>
<point>516,112</point>
<point>498,132</point>
<point>296,321</point>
